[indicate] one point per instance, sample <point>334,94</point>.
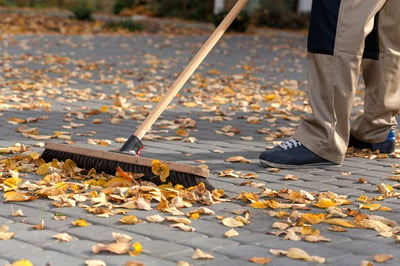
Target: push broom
<point>127,157</point>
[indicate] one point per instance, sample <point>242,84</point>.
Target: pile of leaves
<point>42,23</point>
<point>104,195</point>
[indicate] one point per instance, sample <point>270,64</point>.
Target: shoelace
<point>291,143</point>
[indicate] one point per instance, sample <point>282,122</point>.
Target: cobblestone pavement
<point>76,74</point>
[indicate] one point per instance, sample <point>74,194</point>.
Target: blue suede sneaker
<point>292,154</point>
<point>387,146</point>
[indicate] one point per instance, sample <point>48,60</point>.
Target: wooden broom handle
<point>190,68</point>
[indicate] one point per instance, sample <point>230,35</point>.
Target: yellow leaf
<point>160,169</point>
<point>118,182</point>
<point>43,169</point>
<point>308,230</point>
<point>371,207</point>
<point>80,223</point>
<point>11,183</point>
<point>22,263</point>
<point>130,219</point>
<point>340,222</point>
<point>364,199</point>
<point>17,196</point>
<point>137,249</point>
<point>313,218</point>
<point>259,205</point>
<point>69,166</point>
<point>324,203</point>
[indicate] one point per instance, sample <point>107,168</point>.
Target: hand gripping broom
<point>127,157</point>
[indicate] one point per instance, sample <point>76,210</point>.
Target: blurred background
<point>291,14</point>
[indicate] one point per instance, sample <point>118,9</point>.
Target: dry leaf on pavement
<point>199,254</point>
<point>63,237</point>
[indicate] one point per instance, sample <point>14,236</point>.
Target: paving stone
<point>243,251</point>
<point>166,249</point>
<point>203,243</point>
<point>363,247</point>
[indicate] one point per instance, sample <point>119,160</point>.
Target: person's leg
<point>382,92</point>
<point>336,42</point>
<point>333,79</point>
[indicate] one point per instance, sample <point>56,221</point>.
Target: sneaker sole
<point>290,166</point>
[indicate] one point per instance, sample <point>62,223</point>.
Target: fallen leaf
<point>183,227</point>
<point>39,226</point>
<point>118,237</point>
<point>199,254</point>
<point>116,248</point>
<point>316,238</point>
<point>179,220</point>
<point>22,263</point>
<point>133,263</point>
<point>95,263</point>
<point>237,159</point>
<point>232,222</point>
<point>136,249</point>
<point>17,213</point>
<point>231,233</point>
<point>6,235</point>
<point>130,219</point>
<point>313,218</point>
<point>259,260</point>
<point>340,222</point>
<point>382,257</point>
<point>160,169</point>
<point>155,218</point>
<point>80,223</point>
<point>65,237</point>
<point>290,177</point>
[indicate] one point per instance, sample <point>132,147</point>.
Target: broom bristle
<point>109,166</point>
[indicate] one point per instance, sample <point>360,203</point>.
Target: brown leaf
<point>130,219</point>
<point>199,254</point>
<point>231,233</point>
<point>259,260</point>
<point>118,237</point>
<point>63,237</point>
<point>383,257</point>
<point>232,222</point>
<point>183,227</point>
<point>237,159</point>
<point>116,248</point>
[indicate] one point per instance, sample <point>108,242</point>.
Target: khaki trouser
<point>333,80</point>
